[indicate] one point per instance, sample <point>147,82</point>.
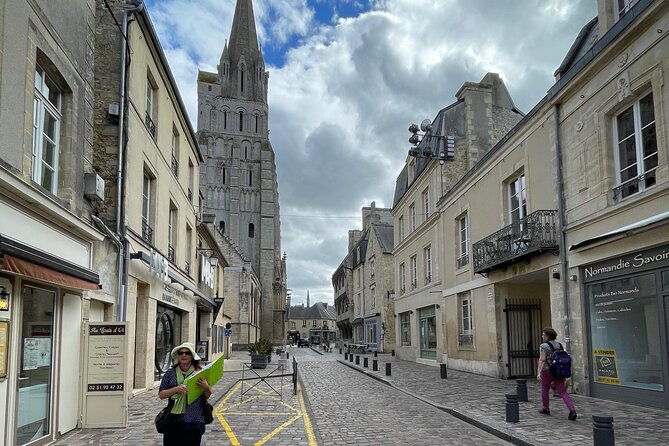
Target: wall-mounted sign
<point>160,266</point>
<point>206,272</point>
<point>202,349</point>
<point>606,370</point>
<point>638,261</point>
<point>4,347</point>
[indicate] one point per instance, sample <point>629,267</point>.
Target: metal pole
<point>521,389</point>
<point>512,411</point>
<point>602,431</point>
<point>444,372</point>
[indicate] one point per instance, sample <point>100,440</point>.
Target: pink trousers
<point>546,380</point>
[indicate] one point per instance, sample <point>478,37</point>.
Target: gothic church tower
<point>238,177</point>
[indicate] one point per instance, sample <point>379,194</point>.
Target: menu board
<point>106,358</point>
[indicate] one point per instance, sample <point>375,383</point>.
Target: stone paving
<point>481,401</point>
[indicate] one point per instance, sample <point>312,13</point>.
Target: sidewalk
<point>480,400</point>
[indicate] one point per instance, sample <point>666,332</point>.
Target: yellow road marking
<point>228,430</point>
<point>311,437</point>
<point>278,429</point>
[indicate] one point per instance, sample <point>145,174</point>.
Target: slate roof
<point>385,236</point>
<point>585,40</point>
<point>319,310</point>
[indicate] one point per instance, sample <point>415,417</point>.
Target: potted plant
<point>261,353</point>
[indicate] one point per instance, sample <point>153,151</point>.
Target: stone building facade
<point>482,114</point>
<point>238,176</point>
<point>48,240</point>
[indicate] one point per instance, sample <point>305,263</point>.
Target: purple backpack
<point>559,362</point>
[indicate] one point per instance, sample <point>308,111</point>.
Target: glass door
<point>428,333</point>
<point>34,382</point>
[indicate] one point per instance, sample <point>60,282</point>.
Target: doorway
<point>33,419</point>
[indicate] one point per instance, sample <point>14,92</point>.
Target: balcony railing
<point>170,253</point>
<point>465,339</point>
<point>150,125</point>
<point>147,232</point>
<point>463,260</point>
<point>532,235</point>
<point>175,166</point>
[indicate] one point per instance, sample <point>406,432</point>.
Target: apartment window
<point>46,131</point>
<point>304,323</point>
<point>400,223</point>
<point>402,274</point>
<point>426,203</point>
<point>292,325</point>
<point>221,226</point>
<point>189,248</point>
<point>175,151</point>
<point>466,320</point>
<point>147,191</point>
<point>372,267</point>
<point>405,328</point>
<point>636,148</point>
<point>252,230</point>
<point>151,108</point>
<point>517,202</point>
<point>414,272</point>
<point>372,295</point>
<point>463,241</point>
<point>427,263</point>
<point>172,232</point>
<point>314,323</point>
<point>191,180</point>
<point>412,216</point>
<point>621,7</point>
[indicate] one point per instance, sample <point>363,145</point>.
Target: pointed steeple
<point>308,303</point>
<point>243,37</point>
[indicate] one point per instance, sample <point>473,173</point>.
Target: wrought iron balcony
<point>463,260</point>
<point>175,166</point>
<point>170,253</point>
<point>147,232</point>
<point>150,125</point>
<point>535,234</point>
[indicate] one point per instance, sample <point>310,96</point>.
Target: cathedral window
<point>225,119</point>
<point>250,178</point>
<point>241,121</point>
<point>252,230</point>
<point>242,73</point>
<point>257,121</point>
<point>221,226</point>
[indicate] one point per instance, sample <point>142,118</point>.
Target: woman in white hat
<point>187,420</point>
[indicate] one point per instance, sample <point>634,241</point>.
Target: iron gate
<point>523,334</point>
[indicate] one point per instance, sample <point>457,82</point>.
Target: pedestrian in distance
<point>545,376</point>
<point>187,420</point>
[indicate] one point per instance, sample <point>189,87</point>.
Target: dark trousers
<point>184,434</point>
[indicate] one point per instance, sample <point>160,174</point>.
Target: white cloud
<point>348,90</point>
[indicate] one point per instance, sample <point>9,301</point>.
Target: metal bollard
<point>357,359</point>
<point>602,430</point>
<point>521,390</point>
<point>393,352</point>
<point>350,357</point>
<point>387,369</point>
<point>346,356</point>
<point>375,365</point>
<point>287,355</point>
<point>444,372</point>
<point>365,363</point>
<point>340,351</point>
<point>376,354</point>
<point>512,411</point>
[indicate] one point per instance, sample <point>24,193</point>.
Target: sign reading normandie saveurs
<point>637,261</point>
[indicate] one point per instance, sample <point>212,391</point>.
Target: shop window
<point>428,332</point>
<point>405,328</point>
<point>46,131</point>
<point>168,329</point>
<point>625,329</point>
<point>466,320</point>
<point>635,141</point>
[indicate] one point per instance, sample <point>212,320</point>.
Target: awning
<point>39,272</point>
<point>625,229</point>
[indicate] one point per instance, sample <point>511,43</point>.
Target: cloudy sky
<point>348,77</point>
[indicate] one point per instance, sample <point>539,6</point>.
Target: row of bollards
<point>602,425</point>
<point>348,356</point>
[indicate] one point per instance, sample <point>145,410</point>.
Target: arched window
<point>252,230</point>
<point>250,178</point>
<point>257,121</point>
<point>224,175</point>
<point>246,153</point>
<point>241,121</point>
<point>225,119</point>
<point>221,226</point>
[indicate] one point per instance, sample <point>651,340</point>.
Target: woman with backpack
<point>546,376</point>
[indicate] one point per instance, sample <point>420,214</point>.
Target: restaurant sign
<point>630,263</point>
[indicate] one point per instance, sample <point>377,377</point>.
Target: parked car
<point>303,343</point>
<point>315,340</point>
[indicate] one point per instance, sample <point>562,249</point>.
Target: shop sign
<point>171,295</point>
<point>160,266</point>
<point>606,370</point>
<point>206,272</point>
<point>638,261</point>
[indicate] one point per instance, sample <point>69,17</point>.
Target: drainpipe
<point>123,258</point>
<point>562,221</point>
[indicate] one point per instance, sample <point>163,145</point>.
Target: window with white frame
<point>621,7</point>
<point>412,216</point>
<point>426,203</point>
<point>189,248</point>
<point>466,320</point>
<point>405,328</point>
<point>427,263</point>
<point>517,202</point>
<point>636,148</point>
<point>400,224</point>
<point>314,323</point>
<point>462,225</point>
<point>402,276</point>
<point>172,233</point>
<point>413,262</point>
<point>151,106</point>
<point>147,191</point>
<point>46,131</point>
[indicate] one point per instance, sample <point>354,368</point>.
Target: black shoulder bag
<point>164,418</point>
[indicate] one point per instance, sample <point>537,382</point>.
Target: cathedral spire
<point>243,37</point>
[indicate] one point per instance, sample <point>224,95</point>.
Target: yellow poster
<point>212,372</point>
<point>606,368</point>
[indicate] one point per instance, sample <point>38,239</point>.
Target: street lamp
<point>445,146</point>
